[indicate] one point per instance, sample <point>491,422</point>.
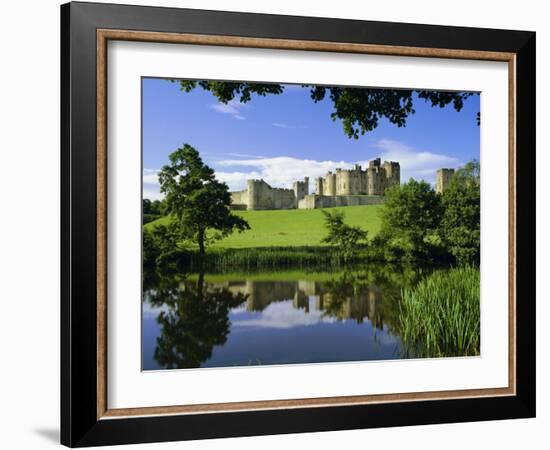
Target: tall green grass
<point>440,316</point>
<point>269,258</point>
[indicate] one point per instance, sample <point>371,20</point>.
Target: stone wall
<point>239,200</point>
<point>319,182</point>
<point>314,201</point>
<point>260,195</point>
<point>393,173</point>
<point>343,182</point>
<point>442,179</point>
<point>372,181</point>
<point>301,189</point>
<point>329,185</point>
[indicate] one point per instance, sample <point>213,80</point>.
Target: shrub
<point>411,214</point>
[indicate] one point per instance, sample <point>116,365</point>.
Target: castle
<point>442,179</point>
<point>344,187</point>
<point>372,181</point>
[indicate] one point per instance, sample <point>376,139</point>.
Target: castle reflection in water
<point>359,303</point>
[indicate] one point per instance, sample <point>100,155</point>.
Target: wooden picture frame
<point>85,416</point>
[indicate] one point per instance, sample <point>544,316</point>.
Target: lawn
<point>293,227</point>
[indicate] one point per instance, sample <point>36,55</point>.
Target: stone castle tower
<point>372,181</point>
<point>301,189</point>
<point>442,179</point>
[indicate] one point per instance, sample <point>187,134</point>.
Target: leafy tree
<point>461,218</point>
<point>162,247</point>
<point>198,201</point>
<point>359,109</point>
<point>152,206</point>
<point>469,174</point>
<point>410,220</point>
<point>152,210</point>
<point>345,237</point>
<point>146,206</point>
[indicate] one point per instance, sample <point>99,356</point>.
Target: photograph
<point>287,223</point>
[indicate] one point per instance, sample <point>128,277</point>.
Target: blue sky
<point>282,138</point>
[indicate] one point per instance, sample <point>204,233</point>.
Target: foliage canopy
<point>410,220</point>
<point>359,109</point>
<point>460,225</point>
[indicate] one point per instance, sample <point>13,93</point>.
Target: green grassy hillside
<point>294,227</point>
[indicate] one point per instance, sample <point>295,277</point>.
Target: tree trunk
<point>200,285</point>
<point>201,241</point>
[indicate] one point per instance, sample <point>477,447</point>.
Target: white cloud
<point>280,171</point>
<point>152,193</point>
<point>151,187</point>
<point>414,163</point>
<point>150,176</point>
<point>282,315</point>
<point>232,108</point>
<point>236,180</point>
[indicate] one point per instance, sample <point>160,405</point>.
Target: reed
<point>441,315</point>
<point>306,257</point>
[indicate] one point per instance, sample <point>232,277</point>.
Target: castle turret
<point>355,180</point>
<point>252,194</point>
<point>329,184</point>
<point>343,182</point>
<point>319,186</point>
<point>374,163</point>
<point>373,180</point>
<point>442,179</point>
<point>393,173</point>
<point>301,189</point>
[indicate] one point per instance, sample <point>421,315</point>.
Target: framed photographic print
<point>276,224</point>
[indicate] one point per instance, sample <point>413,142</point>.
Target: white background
<point>29,162</point>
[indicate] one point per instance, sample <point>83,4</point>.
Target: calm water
<point>206,320</point>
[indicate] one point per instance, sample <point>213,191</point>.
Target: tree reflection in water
<point>372,294</point>
<point>194,319</point>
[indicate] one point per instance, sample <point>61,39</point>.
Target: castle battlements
<point>336,188</point>
<point>343,187</point>
<point>372,181</point>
